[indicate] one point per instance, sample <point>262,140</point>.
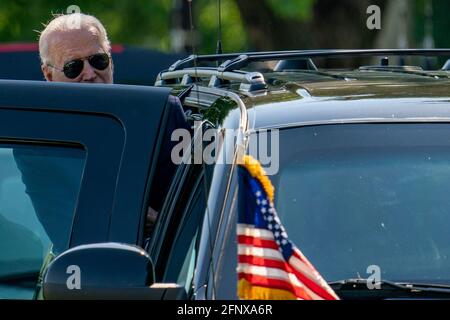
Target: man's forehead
<point>77,43</point>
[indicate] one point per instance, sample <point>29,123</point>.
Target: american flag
<point>270,266</point>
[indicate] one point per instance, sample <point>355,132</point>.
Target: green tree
<point>206,22</point>
<point>299,24</point>
<point>139,22</point>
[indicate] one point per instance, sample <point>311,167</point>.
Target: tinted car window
<point>181,263</point>
<point>352,196</point>
<point>26,226</point>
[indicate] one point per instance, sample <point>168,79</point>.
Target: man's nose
<point>88,74</point>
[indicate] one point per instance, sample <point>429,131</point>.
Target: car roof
<point>296,92</point>
<point>349,96</point>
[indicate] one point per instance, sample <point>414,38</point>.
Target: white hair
<point>68,22</point>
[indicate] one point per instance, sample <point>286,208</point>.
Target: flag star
<point>277,226</point>
<point>258,193</point>
<point>258,202</point>
<point>278,243</point>
<point>270,218</point>
<point>277,234</point>
<point>284,234</point>
<point>284,241</point>
<point>270,226</point>
<point>264,202</point>
<point>263,210</point>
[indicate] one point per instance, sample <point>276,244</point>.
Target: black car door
<point>76,163</point>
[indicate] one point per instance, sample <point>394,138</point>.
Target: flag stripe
<point>260,261</point>
<point>252,231</point>
<point>299,255</point>
<point>257,242</point>
<point>259,252</point>
<point>281,264</point>
<point>269,265</point>
<point>273,273</point>
<point>268,283</point>
<point>275,284</point>
<point>276,274</point>
<point>246,290</point>
<point>294,266</point>
<point>300,268</point>
<point>313,285</point>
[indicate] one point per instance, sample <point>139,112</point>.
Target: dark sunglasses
<point>73,68</point>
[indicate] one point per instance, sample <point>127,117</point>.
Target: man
<point>75,48</point>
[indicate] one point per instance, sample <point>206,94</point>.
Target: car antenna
<point>208,214</point>
<point>219,28</point>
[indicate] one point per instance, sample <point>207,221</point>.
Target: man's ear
<point>47,72</point>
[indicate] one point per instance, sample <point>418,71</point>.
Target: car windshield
<point>359,195</point>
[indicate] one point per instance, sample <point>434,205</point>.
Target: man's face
<point>75,44</point>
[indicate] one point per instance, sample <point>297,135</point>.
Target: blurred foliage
<point>418,21</point>
<point>143,22</point>
<point>293,9</point>
<point>441,23</point>
<point>148,22</point>
<point>140,22</point>
<point>439,26</point>
<point>205,22</point>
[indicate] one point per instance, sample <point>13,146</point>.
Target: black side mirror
<point>106,271</point>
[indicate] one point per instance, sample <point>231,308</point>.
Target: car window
<point>181,262</point>
<point>224,273</point>
<point>33,213</point>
